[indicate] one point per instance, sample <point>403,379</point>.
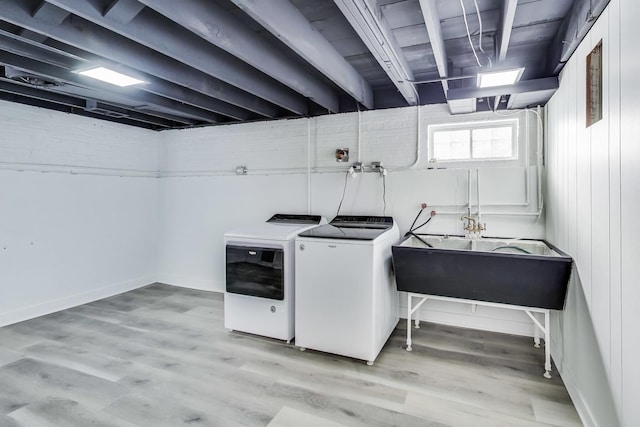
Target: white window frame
<point>513,123</point>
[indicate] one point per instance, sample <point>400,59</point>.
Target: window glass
<point>454,144</point>
<point>492,142</point>
<point>483,141</point>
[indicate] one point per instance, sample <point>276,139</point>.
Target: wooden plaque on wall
<point>594,85</point>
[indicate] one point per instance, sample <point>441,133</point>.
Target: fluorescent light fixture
<point>110,76</point>
<point>499,78</point>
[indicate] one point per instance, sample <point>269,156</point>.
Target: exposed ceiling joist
<point>221,28</point>
<point>154,86</point>
<point>72,101</point>
<point>150,29</point>
<point>90,37</point>
<point>216,61</point>
<point>44,53</point>
<point>575,25</point>
<point>50,14</point>
<point>547,83</point>
<point>21,99</point>
<point>503,35</point>
<point>134,96</point>
<point>46,13</point>
<point>529,99</point>
<point>367,21</point>
<point>431,17</point>
<point>123,11</point>
<point>432,21</point>
<point>286,22</point>
<point>462,106</point>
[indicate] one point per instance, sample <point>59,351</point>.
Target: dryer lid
<point>278,227</point>
<point>295,219</point>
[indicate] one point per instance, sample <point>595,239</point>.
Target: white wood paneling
<point>593,199</point>
<point>614,203</point>
<point>599,133</point>
<point>630,207</point>
<point>583,174</point>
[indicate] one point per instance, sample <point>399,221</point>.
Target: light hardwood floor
<point>160,356</point>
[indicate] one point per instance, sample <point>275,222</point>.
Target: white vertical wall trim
<point>630,208</point>
<point>614,203</point>
<point>309,165</point>
<point>599,349</point>
<point>599,133</point>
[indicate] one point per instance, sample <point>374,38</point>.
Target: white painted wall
<point>78,210</point>
<point>593,203</point>
<point>201,197</point>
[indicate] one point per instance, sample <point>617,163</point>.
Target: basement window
<point>495,140</point>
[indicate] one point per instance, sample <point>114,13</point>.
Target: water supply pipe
<point>359,135</point>
<point>478,194</point>
<point>309,166</point>
<point>418,151</point>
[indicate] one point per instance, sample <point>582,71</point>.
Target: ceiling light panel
<point>499,78</point>
<point>110,76</point>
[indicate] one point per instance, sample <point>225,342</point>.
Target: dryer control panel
<point>295,219</point>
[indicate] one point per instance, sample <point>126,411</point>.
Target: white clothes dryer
<point>259,296</point>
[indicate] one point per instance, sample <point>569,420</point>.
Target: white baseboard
<point>48,307</point>
<point>581,405</point>
<point>191,283</point>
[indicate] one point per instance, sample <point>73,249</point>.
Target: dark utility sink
<point>530,273</point>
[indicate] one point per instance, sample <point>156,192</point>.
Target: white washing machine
<point>259,295</point>
<point>346,298</point>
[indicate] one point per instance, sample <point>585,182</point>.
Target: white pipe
<point>359,135</point>
<point>418,151</point>
<point>283,171</point>
<point>539,160</point>
<point>526,161</point>
<point>469,191</point>
<point>538,154</point>
<point>203,173</point>
<point>464,205</point>
<point>309,166</point>
<point>505,213</point>
<point>77,170</point>
<point>478,194</point>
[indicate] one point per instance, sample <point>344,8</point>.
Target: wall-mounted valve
<point>355,169</point>
<point>377,167</point>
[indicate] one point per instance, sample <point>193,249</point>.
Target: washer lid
<point>352,228</point>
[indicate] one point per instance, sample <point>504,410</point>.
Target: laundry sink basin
<point>529,273</point>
